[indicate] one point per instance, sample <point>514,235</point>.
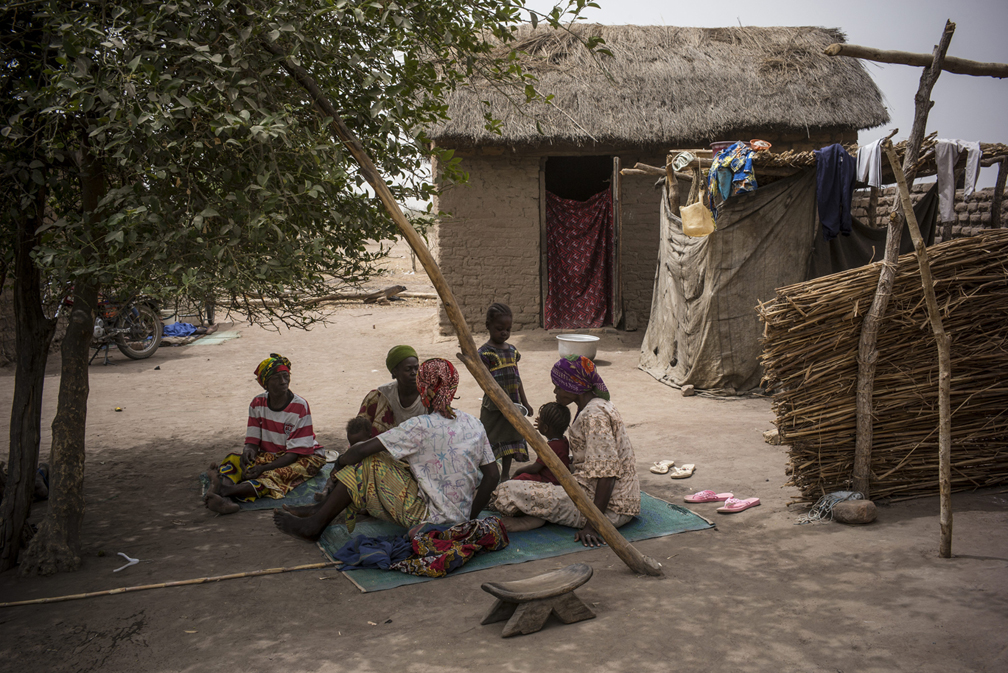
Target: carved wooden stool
<point>528,603</point>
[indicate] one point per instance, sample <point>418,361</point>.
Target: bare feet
<point>216,503</point>
<point>302,510</point>
<point>516,524</point>
<point>214,476</point>
<point>297,526</point>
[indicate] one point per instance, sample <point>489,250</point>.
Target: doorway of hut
<point>580,242</point>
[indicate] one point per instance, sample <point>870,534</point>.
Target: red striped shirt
<point>287,430</point>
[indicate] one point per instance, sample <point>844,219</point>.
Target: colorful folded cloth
<point>438,550</point>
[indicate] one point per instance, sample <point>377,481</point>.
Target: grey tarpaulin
<point>704,329</point>
<point>867,244</point>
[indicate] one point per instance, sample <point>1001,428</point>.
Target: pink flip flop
<point>707,496</point>
<point>736,505</point>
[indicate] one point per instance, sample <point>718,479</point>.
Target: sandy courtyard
<point>758,593</point>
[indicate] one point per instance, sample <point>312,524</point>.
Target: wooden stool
<point>528,603</point>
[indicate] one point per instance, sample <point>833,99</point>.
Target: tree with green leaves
<point>159,147</point>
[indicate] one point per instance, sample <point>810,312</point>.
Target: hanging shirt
<point>946,156</point>
<point>835,170</point>
<point>869,164</point>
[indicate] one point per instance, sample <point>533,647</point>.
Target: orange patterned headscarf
<point>437,381</point>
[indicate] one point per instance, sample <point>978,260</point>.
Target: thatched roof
<point>671,87</point>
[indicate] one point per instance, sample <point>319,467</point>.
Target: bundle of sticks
<point>811,334</point>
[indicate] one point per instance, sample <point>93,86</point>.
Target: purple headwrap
<point>577,374</point>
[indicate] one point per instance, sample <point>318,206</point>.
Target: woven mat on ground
<point>302,495</point>
<point>657,519</point>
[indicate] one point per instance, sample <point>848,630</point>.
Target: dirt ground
<point>758,593</point>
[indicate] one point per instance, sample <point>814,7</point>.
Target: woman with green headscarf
<point>391,403</point>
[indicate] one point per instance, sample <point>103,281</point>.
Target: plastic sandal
<point>707,496</point>
<point>683,472</point>
<point>733,505</point>
<point>662,466</point>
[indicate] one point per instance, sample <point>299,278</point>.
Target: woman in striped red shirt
<point>280,448</point>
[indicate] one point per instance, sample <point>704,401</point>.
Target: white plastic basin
<point>577,344</point>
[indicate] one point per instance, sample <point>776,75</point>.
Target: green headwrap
<point>397,355</point>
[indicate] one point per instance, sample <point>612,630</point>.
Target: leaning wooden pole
<point>868,344</point>
<point>944,359</point>
<point>470,357</point>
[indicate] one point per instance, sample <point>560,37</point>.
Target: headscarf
<point>270,366</point>
<point>397,355</point>
<point>437,381</point>
<point>576,374</point>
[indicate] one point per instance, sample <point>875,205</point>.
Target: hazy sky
<point>971,108</point>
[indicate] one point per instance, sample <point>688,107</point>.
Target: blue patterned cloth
<point>731,173</point>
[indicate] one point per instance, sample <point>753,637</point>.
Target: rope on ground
<point>823,509</point>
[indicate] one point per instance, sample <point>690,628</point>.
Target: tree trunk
<point>33,334</point>
<point>56,546</point>
<point>868,344</point>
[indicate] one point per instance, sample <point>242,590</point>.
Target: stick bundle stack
<point>811,332</point>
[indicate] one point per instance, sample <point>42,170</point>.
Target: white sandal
<point>662,466</point>
<point>683,472</point>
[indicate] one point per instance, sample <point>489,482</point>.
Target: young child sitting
<point>358,429</point>
<point>501,358</point>
<point>551,423</point>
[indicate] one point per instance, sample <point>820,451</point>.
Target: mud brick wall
<point>641,212</point>
<point>973,215</point>
<point>489,248</point>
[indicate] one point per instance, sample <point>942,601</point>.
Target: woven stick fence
<point>810,365</point>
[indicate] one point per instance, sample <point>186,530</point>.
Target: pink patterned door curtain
<point>578,261</point>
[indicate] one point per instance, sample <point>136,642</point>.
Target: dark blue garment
<point>835,171</point>
<point>179,329</point>
<point>374,552</point>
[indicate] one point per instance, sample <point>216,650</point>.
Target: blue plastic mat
<point>216,338</point>
<point>656,519</point>
<point>302,495</point>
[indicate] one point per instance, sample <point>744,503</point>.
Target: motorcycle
<point>133,325</point>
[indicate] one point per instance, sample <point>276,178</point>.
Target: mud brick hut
<point>545,201</point>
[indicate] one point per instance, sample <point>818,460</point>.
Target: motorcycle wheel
<point>145,332</point>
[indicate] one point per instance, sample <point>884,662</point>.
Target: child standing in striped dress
<point>501,358</point>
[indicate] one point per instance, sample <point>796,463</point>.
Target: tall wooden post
<point>868,345</point>
<point>944,359</point>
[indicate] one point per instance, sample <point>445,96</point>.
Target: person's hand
<point>528,410</point>
<point>588,537</point>
<point>254,471</point>
<point>248,456</point>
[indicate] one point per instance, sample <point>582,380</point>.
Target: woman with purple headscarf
<point>602,462</point>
